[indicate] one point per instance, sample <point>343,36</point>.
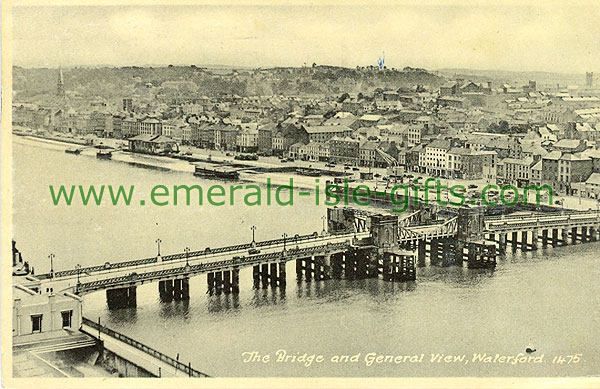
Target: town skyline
<point>494,38</point>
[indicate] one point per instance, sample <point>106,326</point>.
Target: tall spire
<point>60,86</point>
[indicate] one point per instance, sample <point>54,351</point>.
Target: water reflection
<point>174,309</point>
<point>223,302</point>
<point>268,297</point>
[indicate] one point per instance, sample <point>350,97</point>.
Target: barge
<point>216,172</point>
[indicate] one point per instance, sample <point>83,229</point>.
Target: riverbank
<point>248,174</point>
<point>269,168</point>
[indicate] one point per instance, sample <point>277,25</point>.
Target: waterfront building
<point>40,316</point>
<point>326,132</point>
<point>152,144</point>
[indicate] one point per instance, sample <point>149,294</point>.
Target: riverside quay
<point>356,244</point>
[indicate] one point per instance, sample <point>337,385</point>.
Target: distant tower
<point>60,86</point>
<point>589,78</point>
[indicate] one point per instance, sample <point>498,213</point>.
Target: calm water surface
<point>549,299</point>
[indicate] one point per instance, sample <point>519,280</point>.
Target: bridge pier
<point>434,251</point>
<point>514,241</point>
<point>337,265</point>
<point>481,255</point>
<point>534,239</point>
<point>264,275</point>
<point>181,289</point>
<point>165,290</point>
<point>219,282</point>
<point>421,252</point>
<point>524,240</point>
<point>459,252</point>
<point>502,244</point>
<point>584,234</point>
<point>544,238</point>
<point>565,237</point>
<point>593,234</point>
<point>574,235</point>
<point>227,281</point>
<point>449,252</point>
<point>272,274</point>
<point>235,280</point>
<point>554,237</point>
<point>121,297</point>
<point>399,267</point>
<point>355,263</point>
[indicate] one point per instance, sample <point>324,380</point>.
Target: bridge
<point>357,244</point>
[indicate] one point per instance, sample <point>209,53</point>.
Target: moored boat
<point>216,172</point>
<point>73,151</point>
<point>308,172</point>
<point>102,154</point>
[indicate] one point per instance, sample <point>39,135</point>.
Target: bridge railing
<point>199,268</point>
<point>173,257</point>
<point>187,369</point>
<point>547,221</point>
<point>558,213</point>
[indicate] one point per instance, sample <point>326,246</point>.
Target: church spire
<point>60,86</point>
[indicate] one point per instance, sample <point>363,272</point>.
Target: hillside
<point>182,81</point>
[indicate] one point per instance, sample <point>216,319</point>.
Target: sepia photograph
<point>294,194</point>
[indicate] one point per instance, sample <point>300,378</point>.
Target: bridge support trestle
<point>502,244</point>
<point>481,255</point>
<point>226,281</point>
<point>399,267</point>
<point>269,274</point>
<point>121,297</point>
<point>176,289</point>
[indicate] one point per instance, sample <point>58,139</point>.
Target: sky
<point>548,37</point>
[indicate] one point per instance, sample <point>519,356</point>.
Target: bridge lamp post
<point>284,236</point>
<point>187,256</point>
<point>78,267</point>
<point>253,228</point>
<point>51,256</point>
<point>323,218</point>
<point>158,242</point>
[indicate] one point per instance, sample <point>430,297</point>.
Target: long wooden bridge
<point>357,244</point>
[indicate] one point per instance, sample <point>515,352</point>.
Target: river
<point>549,299</point>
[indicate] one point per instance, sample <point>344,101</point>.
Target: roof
<point>524,161</point>
<point>152,138</point>
<point>594,178</point>
<point>460,151</point>
<point>162,139</point>
<point>329,128</point>
<point>553,155</point>
<point>574,157</point>
<point>369,145</point>
<point>371,117</point>
<point>440,144</point>
<point>143,137</point>
<point>448,84</point>
<point>340,121</point>
<point>567,143</point>
<point>534,149</point>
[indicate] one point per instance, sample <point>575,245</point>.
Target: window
<point>67,316</point>
<point>36,323</point>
